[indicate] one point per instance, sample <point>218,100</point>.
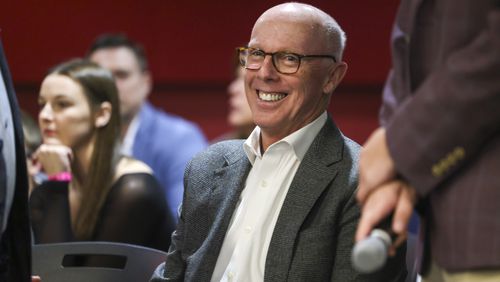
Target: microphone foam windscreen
<point>369,255</point>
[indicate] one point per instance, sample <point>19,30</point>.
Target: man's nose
<point>267,70</point>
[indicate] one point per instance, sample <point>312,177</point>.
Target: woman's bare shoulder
<point>128,165</point>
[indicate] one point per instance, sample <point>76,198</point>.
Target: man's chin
<point>127,114</point>
<point>126,118</point>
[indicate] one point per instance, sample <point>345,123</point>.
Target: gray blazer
<point>313,236</point>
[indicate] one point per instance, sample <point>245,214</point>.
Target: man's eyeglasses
<point>284,62</point>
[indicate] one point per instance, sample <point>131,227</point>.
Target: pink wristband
<point>64,176</point>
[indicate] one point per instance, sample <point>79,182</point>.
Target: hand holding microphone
<point>375,245</point>
<point>380,193</point>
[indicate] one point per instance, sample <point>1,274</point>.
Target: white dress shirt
<point>9,149</point>
<point>243,253</point>
<point>127,146</point>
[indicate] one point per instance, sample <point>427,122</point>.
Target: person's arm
<point>175,263</point>
<point>380,193</point>
<point>342,269</point>
<point>394,198</point>
<point>452,115</point>
<point>443,125</point>
<point>135,212</point>
<point>174,267</point>
<point>50,213</point>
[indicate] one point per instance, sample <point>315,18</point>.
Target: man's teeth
<point>272,97</point>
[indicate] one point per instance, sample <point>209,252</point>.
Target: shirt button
<point>230,276</point>
<point>248,229</point>
<point>263,184</point>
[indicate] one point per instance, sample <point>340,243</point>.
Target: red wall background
<point>190,45</point>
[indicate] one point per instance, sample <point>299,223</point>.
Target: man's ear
<point>103,114</point>
<point>335,77</point>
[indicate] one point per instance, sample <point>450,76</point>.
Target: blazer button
<point>437,170</point>
<point>459,152</point>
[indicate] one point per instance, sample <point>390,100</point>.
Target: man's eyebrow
<point>121,71</point>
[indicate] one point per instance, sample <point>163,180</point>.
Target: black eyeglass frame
<point>239,50</point>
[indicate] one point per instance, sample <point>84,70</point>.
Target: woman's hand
<point>54,158</point>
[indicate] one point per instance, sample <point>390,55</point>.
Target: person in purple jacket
<point>439,145</point>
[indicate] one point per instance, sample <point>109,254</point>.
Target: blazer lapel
<point>228,185</point>
<point>313,176</point>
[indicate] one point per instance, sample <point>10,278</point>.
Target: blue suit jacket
<point>166,143</point>
<point>16,242</point>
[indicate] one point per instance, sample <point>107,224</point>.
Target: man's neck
<point>123,130</point>
<point>126,120</point>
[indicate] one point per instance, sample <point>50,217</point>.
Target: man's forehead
<point>287,21</point>
<point>285,35</point>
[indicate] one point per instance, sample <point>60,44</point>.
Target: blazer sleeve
<point>452,114</point>
<point>175,265</point>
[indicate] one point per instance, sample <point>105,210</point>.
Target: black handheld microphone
<point>370,254</point>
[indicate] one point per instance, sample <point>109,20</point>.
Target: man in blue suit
<point>15,245</point>
<point>163,141</point>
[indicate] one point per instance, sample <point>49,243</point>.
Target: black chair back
<point>94,261</point>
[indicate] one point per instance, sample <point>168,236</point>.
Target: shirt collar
<point>252,145</point>
<point>128,140</point>
<point>300,140</point>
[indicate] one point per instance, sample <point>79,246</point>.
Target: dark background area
<point>190,45</point>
